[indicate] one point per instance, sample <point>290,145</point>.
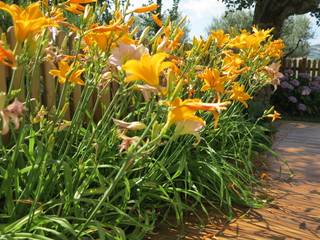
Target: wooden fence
<point>303,65</point>
<point>44,87</point>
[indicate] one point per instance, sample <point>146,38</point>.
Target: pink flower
<point>12,113</point>
<point>126,52</point>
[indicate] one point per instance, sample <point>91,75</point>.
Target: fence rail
<point>303,65</point>
<point>44,87</point>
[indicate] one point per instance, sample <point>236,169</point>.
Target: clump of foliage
<point>157,126</point>
<point>298,96</point>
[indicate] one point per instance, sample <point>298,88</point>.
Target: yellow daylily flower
<point>145,9</point>
<point>147,69</point>
<point>274,116</point>
<point>27,22</point>
<point>213,80</point>
<point>238,93</point>
<point>261,35</point>
<point>220,37</point>
<point>66,72</point>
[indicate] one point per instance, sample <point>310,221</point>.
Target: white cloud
<point>202,8</point>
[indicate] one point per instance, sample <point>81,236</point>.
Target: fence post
<point>302,65</point>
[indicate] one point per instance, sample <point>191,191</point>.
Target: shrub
<point>298,96</point>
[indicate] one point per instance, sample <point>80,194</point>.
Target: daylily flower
<point>12,112</point>
<point>129,125</point>
<point>274,49</point>
<point>220,38</point>
<point>146,91</point>
<point>6,56</point>
<point>126,52</point>
<point>156,19</point>
<point>275,115</point>
<point>27,22</point>
<point>274,74</point>
<point>66,72</point>
<point>145,9</point>
<point>76,7</point>
<point>182,114</point>
<point>238,93</point>
<point>233,64</point>
<point>127,142</point>
<point>213,80</point>
<point>147,69</point>
<point>261,35</point>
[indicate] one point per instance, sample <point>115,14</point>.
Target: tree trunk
<point>273,13</point>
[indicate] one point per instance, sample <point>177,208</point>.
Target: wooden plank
<point>49,85</point>
<point>3,78</point>
<point>295,63</point>
<point>76,98</point>
<point>314,68</point>
<point>309,63</point>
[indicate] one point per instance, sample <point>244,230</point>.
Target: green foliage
<point>296,32</point>
<point>232,22</point>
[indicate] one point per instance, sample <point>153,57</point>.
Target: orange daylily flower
<point>274,116</point>
<point>156,19</point>
<point>145,9</point>
<point>238,93</point>
<point>76,7</point>
<point>27,22</point>
<point>182,114</point>
<point>274,49</point>
<point>147,69</point>
<point>6,57</point>
<point>66,72</point>
<point>213,80</point>
<point>232,64</point>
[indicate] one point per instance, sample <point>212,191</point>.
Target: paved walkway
<point>295,211</point>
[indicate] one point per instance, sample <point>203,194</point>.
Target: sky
<point>201,12</point>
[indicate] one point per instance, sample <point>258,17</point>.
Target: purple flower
<point>287,85</point>
<point>305,91</point>
<point>293,99</point>
<point>295,83</point>
<point>317,79</point>
<point>302,107</point>
<point>284,78</point>
<point>288,72</point>
<point>304,76</point>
